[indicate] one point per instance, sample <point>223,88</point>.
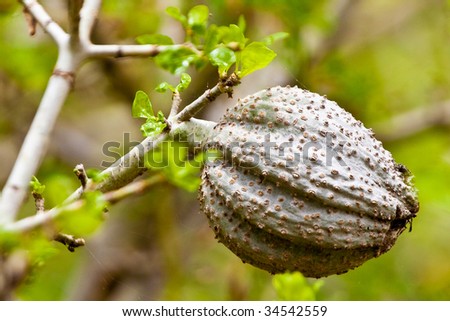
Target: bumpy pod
<point>302,185</point>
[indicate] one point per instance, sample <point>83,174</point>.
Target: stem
<point>31,222</point>
<point>224,86</point>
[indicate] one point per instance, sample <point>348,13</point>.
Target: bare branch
<point>45,21</point>
<point>118,51</point>
<point>39,202</point>
<point>88,15</point>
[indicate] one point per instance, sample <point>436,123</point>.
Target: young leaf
<point>223,58</point>
<point>164,86</point>
<point>155,39</point>
<point>197,18</point>
<point>185,81</point>
<point>255,56</point>
<point>270,39</point>
<point>176,60</point>
<point>36,186</point>
<point>232,35</point>
<point>154,125</point>
<point>142,107</point>
<point>175,13</point>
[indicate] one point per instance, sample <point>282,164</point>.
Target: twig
<point>81,174</point>
<point>38,13</point>
<point>224,86</point>
<point>39,202</point>
<point>31,222</point>
<point>176,102</point>
<point>88,15</point>
<point>70,241</point>
<point>117,51</point>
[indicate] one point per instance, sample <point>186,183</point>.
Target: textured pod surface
<point>303,186</point>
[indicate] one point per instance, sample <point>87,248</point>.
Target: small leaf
<point>185,81</point>
<point>255,56</point>
<point>142,107</point>
<point>197,18</point>
<point>177,15</point>
<point>164,86</point>
<point>270,39</point>
<point>232,35</point>
<point>176,60</point>
<point>223,58</point>
<point>155,39</point>
<point>36,186</point>
<point>154,125</point>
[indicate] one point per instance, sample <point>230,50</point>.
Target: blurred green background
<point>385,61</point>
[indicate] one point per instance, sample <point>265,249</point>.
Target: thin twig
<point>88,15</point>
<point>39,202</point>
<point>45,21</point>
<point>224,86</point>
<point>176,102</point>
<point>117,51</point>
<point>81,174</point>
<point>69,241</point>
<point>134,188</point>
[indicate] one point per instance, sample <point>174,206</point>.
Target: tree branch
<point>45,21</point>
<point>224,86</point>
<point>88,15</point>
<point>112,197</point>
<point>117,51</point>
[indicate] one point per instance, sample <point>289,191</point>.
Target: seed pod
<point>303,186</point>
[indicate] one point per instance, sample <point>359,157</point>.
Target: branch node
<point>69,241</point>
<point>69,76</point>
<point>81,174</point>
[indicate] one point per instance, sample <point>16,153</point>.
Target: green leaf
<point>255,56</point>
<point>177,15</point>
<point>295,287</point>
<point>185,81</point>
<point>36,186</point>
<point>232,36</point>
<point>154,125</point>
<point>270,39</point>
<point>164,86</point>
<point>176,60</point>
<point>142,107</point>
<point>223,58</point>
<point>197,18</point>
<point>172,158</point>
<point>154,39</point>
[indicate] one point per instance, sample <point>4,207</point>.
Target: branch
<point>224,86</point>
<point>111,197</point>
<point>414,121</point>
<point>88,15</point>
<point>39,14</point>
<point>117,51</point>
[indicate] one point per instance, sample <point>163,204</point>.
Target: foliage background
<point>377,59</point>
